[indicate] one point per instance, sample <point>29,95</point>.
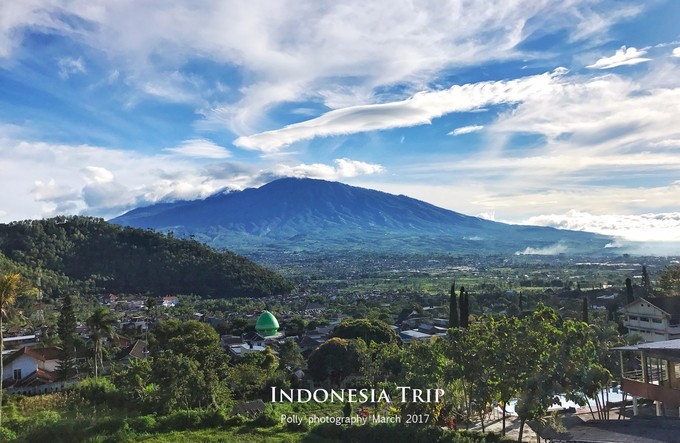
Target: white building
<point>654,319</point>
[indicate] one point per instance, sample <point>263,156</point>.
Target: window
<point>633,317</point>
<point>17,374</point>
<point>644,319</point>
<point>656,320</point>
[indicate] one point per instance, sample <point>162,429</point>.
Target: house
<point>31,367</point>
<point>170,302</point>
<point>655,319</point>
<point>137,350</point>
<point>412,336</point>
<point>245,348</point>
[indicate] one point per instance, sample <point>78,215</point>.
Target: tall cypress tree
<point>461,306</point>
<point>66,329</point>
<point>453,308</point>
<point>521,304</point>
<point>646,284</point>
<point>464,307</point>
<point>630,298</point>
<point>584,310</point>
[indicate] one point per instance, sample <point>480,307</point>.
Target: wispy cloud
<point>643,227</point>
<point>417,110</point>
<point>676,52</point>
<point>201,148</point>
<point>623,56</point>
<point>466,130</point>
<point>69,66</point>
<point>365,46</point>
<point>343,168</point>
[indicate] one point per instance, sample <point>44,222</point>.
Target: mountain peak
<point>293,213</point>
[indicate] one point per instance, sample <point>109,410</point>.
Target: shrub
<point>182,420</point>
<point>144,424</point>
<point>236,420</point>
<point>7,434</point>
<point>267,419</point>
<point>98,391</point>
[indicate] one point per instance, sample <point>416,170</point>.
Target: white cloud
<point>466,130</point>
<point>51,191</point>
<point>72,180</point>
<point>344,168</point>
<point>97,175</point>
<point>69,66</point>
<point>201,148</point>
<point>557,248</point>
<point>643,227</point>
<point>417,110</point>
<point>623,56</point>
<point>364,45</point>
<point>676,52</point>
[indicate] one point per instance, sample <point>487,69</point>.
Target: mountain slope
<point>107,257</point>
<point>292,214</point>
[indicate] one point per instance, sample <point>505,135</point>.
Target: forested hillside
<point>92,254</point>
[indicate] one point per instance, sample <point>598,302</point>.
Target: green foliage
<point>335,359</point>
<point>143,425</point>
<point>398,433</point>
<point>669,279</point>
<point>367,330</point>
<point>267,419</point>
<point>66,329</point>
<point>191,338</point>
<point>454,320</point>
<point>98,391</point>
<point>290,355</point>
<point>93,253</point>
<point>7,434</point>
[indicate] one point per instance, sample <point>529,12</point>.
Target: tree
<point>464,303</point>
<point>646,284</point>
<point>584,310</point>
<point>290,355</point>
<point>630,297</point>
<point>669,279</point>
<point>521,302</point>
<point>66,329</point>
<point>454,321</point>
<point>191,338</point>
<point>11,287</point>
<point>335,359</point>
<point>101,324</point>
<point>367,330</point>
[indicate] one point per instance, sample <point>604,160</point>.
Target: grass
<point>244,434</point>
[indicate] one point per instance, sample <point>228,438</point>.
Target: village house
<point>32,371</point>
<point>654,319</point>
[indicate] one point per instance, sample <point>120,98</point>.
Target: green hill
<point>90,253</point>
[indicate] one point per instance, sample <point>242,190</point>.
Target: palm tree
<point>101,326</point>
<point>11,287</point>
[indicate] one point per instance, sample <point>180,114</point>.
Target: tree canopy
<point>120,259</point>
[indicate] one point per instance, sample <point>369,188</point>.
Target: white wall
<point>25,363</point>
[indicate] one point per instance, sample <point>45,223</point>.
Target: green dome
<point>267,324</point>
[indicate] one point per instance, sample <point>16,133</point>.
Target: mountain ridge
<point>294,213</point>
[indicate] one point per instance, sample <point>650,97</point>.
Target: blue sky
<point>527,111</point>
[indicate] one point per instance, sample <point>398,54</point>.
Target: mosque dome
<point>267,325</point>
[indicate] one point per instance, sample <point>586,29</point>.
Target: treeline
<point>95,255</point>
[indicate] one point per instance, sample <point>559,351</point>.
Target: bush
<point>143,425</point>
<point>182,420</point>
<point>236,420</point>
<point>267,419</point>
<point>403,434</point>
<point>109,425</point>
<point>99,391</point>
<point>7,434</point>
